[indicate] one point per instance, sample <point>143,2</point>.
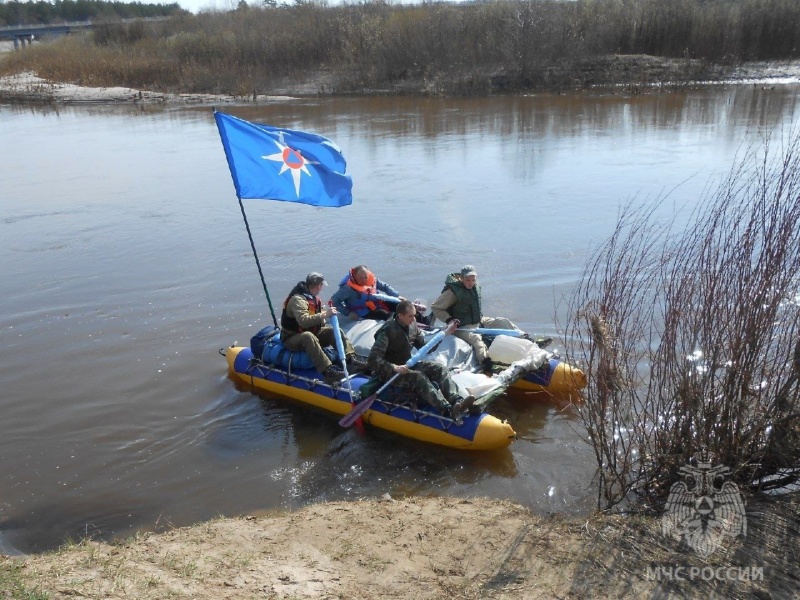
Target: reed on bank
<point>470,48</point>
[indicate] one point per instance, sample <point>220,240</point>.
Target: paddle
<point>362,407</point>
<point>385,297</point>
<point>418,304</point>
<point>483,331</point>
<point>337,335</point>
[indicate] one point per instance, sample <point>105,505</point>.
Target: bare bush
<point>690,335</point>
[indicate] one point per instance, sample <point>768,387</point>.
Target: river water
<point>126,266</point>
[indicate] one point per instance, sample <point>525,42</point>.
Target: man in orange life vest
<point>354,297</point>
<point>303,328</point>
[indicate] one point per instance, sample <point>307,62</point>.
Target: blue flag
<point>268,163</point>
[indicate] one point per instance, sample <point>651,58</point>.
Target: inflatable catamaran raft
<point>270,163</point>
<point>267,366</point>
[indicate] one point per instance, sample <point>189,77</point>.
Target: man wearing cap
<point>303,328</point>
<point>461,299</point>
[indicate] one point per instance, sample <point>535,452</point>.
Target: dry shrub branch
<point>691,336</point>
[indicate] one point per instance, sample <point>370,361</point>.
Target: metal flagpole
<point>258,263</point>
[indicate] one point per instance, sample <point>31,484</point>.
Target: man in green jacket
<point>392,348</point>
<point>303,328</point>
<point>461,299</point>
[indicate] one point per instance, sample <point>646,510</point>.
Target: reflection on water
<point>342,463</point>
<point>404,120</point>
<point>126,267</point>
<point>353,466</point>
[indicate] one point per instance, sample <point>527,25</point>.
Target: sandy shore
<point>28,87</point>
<point>419,548</point>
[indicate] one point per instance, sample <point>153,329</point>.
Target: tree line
<point>470,48</point>
<point>14,12</point>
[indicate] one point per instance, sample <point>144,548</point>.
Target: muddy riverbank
<point>420,548</point>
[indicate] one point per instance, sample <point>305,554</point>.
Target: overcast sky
<point>197,5</point>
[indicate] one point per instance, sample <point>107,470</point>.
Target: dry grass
<point>466,49</point>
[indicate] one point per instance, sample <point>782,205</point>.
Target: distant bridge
<point>24,34</point>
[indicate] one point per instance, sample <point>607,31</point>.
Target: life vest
<point>365,303</point>
<point>467,308</point>
<point>288,322</point>
<point>400,343</point>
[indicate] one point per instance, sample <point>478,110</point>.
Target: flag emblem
<point>291,160</point>
<point>259,157</point>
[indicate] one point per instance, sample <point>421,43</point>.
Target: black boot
<point>542,342</point>
<point>355,364</point>
<point>459,408</point>
<point>333,374</point>
<point>486,365</point>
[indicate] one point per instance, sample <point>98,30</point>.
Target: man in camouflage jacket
<point>428,381</point>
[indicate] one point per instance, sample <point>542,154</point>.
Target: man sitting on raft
<point>303,328</point>
<point>461,299</point>
<point>356,297</point>
<point>392,348</point>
